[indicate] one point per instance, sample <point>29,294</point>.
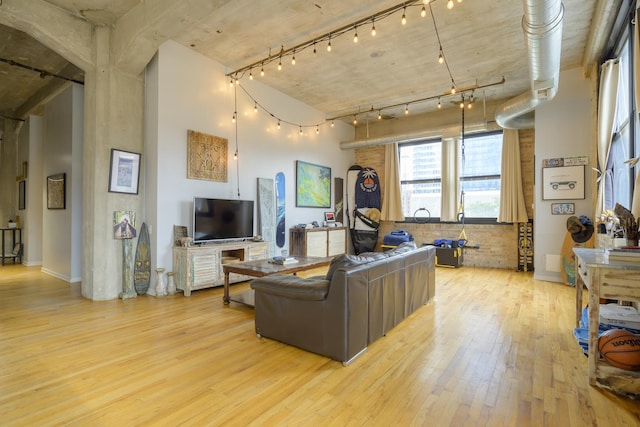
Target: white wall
<point>30,151</point>
<point>62,153</point>
<point>562,130</point>
<point>192,92</point>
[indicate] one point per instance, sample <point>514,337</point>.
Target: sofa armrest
<point>288,286</point>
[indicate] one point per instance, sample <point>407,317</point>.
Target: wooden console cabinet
<point>199,267</point>
<point>318,242</point>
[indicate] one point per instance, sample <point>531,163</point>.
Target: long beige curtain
<point>606,115</point>
<point>392,201</point>
<point>450,179</point>
<point>635,205</point>
<point>512,206</point>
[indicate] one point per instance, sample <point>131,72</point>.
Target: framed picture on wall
<point>313,185</point>
<point>22,194</point>
<point>124,173</point>
<point>56,191</point>
<point>565,182</point>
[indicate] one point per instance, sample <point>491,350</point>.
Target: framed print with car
<point>566,182</point>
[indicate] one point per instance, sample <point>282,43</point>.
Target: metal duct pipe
<point>542,26</point>
<point>414,137</point>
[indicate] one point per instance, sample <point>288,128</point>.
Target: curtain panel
<point>606,115</point>
<point>450,188</point>
<point>392,202</point>
<point>512,205</point>
<point>635,204</point>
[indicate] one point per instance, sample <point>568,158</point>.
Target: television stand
<point>200,267</point>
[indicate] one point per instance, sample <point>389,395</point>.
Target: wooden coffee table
<point>261,268</point>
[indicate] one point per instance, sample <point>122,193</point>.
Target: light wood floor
<point>494,348</point>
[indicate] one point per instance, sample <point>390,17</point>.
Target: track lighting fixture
<point>379,115</point>
<point>404,17</point>
<point>235,155</point>
<point>250,75</point>
<point>373,29</point>
<point>300,130</point>
<point>355,36</point>
<point>440,57</point>
<point>280,64</point>
<point>439,104</point>
<point>255,107</point>
<point>278,124</point>
<point>317,129</point>
<point>293,59</point>
<point>233,119</point>
<point>423,12</point>
<point>262,71</point>
<point>453,89</point>
<point>355,119</point>
<point>406,109</point>
<point>329,45</point>
<point>450,4</point>
<point>332,123</point>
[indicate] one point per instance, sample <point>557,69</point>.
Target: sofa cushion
<point>402,248</point>
<point>344,260</point>
<point>294,287</point>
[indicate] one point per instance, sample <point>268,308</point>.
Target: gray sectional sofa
<point>359,300</point>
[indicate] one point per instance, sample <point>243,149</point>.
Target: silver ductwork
<point>542,25</point>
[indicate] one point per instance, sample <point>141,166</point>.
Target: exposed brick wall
<point>498,244</point>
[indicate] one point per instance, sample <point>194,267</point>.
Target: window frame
<point>463,178</point>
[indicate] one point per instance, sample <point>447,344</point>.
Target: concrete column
<point>113,119</point>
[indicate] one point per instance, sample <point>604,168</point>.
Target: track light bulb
<point>332,123</point>
<point>235,155</point>
<point>280,64</point>
<point>278,124</point>
<point>293,60</point>
<point>255,107</point>
<point>423,12</point>
<point>453,89</point>
<point>300,130</point>
<point>470,105</point>
<point>317,130</point>
<point>450,4</point>
<point>406,109</point>
<point>462,104</point>
<point>233,119</point>
<point>440,58</point>
<point>355,36</point>
<point>231,83</point>
<point>262,72</point>
<point>355,120</point>
<point>373,30</point>
<point>250,75</point>
<point>404,17</point>
<point>439,104</point>
<point>379,115</point>
<point>329,46</point>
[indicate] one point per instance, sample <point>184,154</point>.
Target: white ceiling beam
<point>140,32</point>
<point>65,34</point>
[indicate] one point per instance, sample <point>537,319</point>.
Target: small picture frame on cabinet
<point>330,216</point>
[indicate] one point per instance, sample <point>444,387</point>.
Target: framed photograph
<point>22,194</point>
<point>56,191</point>
<point>124,173</point>
<point>566,182</point>
<point>330,216</point>
<point>563,208</point>
<point>313,185</point>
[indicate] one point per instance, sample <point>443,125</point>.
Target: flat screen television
<point>220,219</point>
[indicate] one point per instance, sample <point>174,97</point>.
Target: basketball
<point>620,349</point>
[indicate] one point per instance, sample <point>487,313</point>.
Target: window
<point>421,176</point>
<point>625,143</point>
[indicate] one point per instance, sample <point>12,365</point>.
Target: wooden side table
<point>15,254</point>
<point>610,279</point>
